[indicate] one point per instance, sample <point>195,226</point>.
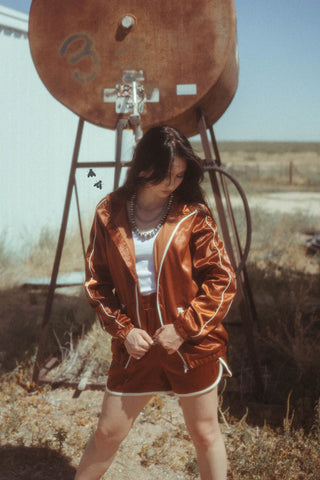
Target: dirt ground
<point>158,446</point>
<point>43,435</point>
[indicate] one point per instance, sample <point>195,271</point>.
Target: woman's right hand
<point>138,343</point>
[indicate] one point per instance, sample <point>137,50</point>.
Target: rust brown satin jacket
<point>194,278</point>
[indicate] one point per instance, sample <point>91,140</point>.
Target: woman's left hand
<point>168,337</point>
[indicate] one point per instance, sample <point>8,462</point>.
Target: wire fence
<point>289,174</point>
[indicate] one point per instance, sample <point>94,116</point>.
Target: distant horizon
<point>267,146</point>
<point>193,139</point>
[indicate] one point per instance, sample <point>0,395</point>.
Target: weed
<point>5,258</point>
<point>288,420</point>
<point>316,424</point>
<point>60,436</point>
<point>192,467</point>
<point>153,410</point>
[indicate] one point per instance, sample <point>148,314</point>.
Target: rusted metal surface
<point>186,50</point>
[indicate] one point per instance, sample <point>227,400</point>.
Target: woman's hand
<point>168,337</point>
<point>138,343</point>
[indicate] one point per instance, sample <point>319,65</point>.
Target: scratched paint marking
<point>85,51</point>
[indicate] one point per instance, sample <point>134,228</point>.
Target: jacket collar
<point>177,212</point>
<point>120,231</point>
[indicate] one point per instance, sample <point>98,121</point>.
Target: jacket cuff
<point>123,332</point>
<point>117,331</point>
<point>179,326</point>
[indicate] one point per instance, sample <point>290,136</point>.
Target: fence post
<point>290,172</point>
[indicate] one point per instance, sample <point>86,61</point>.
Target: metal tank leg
<point>235,230</point>
<point>54,275</point>
<point>117,165</point>
<point>234,249</point>
<point>79,219</point>
<point>121,125</point>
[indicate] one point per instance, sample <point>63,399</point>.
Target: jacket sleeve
<point>216,281</point>
<point>99,285</point>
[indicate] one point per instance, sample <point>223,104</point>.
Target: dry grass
<point>43,434</point>
<point>276,437</point>
<point>272,166</point>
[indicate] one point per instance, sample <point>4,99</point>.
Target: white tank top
<point>145,263</point>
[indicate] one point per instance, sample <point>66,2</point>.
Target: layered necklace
<point>132,217</point>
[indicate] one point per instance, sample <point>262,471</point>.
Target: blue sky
<point>278,97</point>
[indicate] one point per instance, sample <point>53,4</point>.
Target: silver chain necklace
<point>149,233</point>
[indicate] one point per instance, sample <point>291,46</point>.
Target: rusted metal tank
<point>186,53</point>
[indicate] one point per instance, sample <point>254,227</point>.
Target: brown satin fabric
<point>195,281</point>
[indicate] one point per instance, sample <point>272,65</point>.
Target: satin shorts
<point>157,371</point>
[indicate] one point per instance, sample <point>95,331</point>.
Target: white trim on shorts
<point>222,365</point>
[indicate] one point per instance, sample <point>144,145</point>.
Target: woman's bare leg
<point>117,416</point>
<point>201,417</point>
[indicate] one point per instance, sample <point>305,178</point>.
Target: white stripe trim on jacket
<point>163,257</point>
<point>92,274</point>
<point>222,295</point>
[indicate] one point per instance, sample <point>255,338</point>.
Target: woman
<point>161,282</point>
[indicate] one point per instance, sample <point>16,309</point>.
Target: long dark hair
<point>155,152</point>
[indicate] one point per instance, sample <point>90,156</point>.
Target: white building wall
<point>37,136</point>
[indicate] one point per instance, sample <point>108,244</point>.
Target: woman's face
<point>171,182</point>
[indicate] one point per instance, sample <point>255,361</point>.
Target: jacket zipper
<point>138,317</point>
<point>185,365</point>
<point>137,305</point>
<point>128,361</point>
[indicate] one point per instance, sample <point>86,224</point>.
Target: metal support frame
<point>38,370</point>
<point>246,303</point>
<point>220,191</point>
